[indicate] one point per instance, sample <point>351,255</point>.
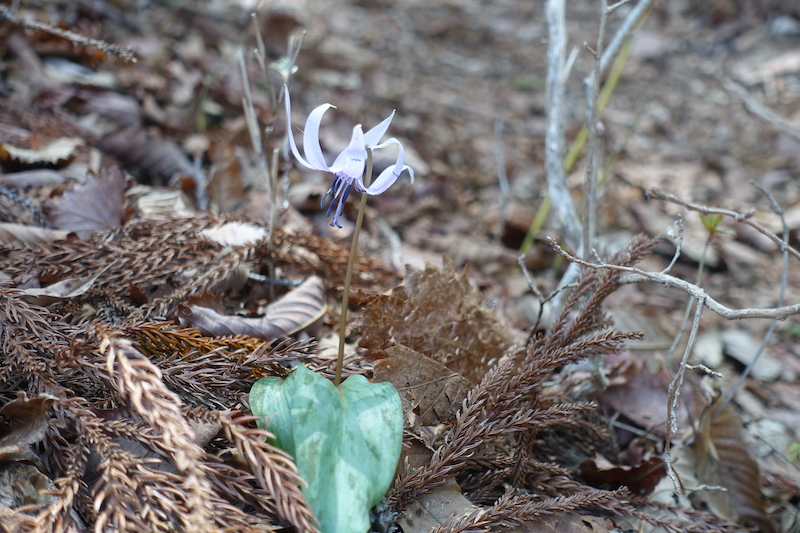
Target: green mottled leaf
<point>346,441</point>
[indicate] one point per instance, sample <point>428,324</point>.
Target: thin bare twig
<point>500,159</point>
<point>744,218</point>
<point>107,48</point>
<point>674,392</point>
<point>593,145</point>
<point>637,275</point>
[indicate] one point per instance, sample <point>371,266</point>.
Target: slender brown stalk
<point>349,275</point>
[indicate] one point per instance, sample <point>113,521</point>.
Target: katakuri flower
<point>350,164</point>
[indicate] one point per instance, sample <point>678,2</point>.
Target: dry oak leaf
<point>640,480</point>
<point>289,314</point>
<point>25,423</point>
<point>724,457</point>
<point>438,313</point>
<point>95,205</point>
<point>429,390</point>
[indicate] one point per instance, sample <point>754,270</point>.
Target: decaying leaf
<point>96,205</point>
<point>433,509</point>
<point>287,315</point>
<point>159,159</point>
<point>640,479</point>
<point>62,290</point>
<point>429,390</point>
<point>235,233</point>
<point>22,233</point>
<point>25,422</point>
<point>60,150</point>
<point>23,484</point>
<point>438,313</point>
<point>724,458</point>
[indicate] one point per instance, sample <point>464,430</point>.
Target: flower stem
<point>349,275</point>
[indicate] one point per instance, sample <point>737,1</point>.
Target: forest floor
<point>96,151</point>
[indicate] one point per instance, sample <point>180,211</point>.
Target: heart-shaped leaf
<point>345,441</point>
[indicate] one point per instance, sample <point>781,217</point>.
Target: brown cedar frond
<point>507,400</point>
<point>56,517</point>
<point>31,337</point>
<point>139,385</point>
<point>468,434</point>
<point>170,254</point>
<point>273,469</point>
<point>302,255</point>
<point>699,521</point>
<point>513,510</point>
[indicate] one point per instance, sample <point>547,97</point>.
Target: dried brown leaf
<point>293,312</point>
<point>432,510</point>
<point>725,458</point>
<point>640,479</point>
<point>438,313</point>
<point>429,390</point>
<point>25,423</point>
<point>62,290</point>
<point>159,159</point>
<point>226,188</point>
<point>11,233</point>
<point>61,150</point>
<point>93,206</point>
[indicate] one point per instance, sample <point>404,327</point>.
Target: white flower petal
<point>373,136</point>
<point>389,175</point>
<point>311,137</point>
<point>350,163</point>
<point>314,164</point>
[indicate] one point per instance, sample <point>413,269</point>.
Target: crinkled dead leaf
<point>642,400</point>
<point>63,290</point>
<point>24,423</point>
<point>11,233</point>
<point>640,480</point>
<point>95,205</point>
<point>159,159</point>
<point>226,188</point>
<point>438,313</point>
<point>289,314</point>
<point>433,509</point>
<point>431,393</point>
<point>724,457</point>
<point>23,484</point>
<point>60,150</point>
<point>234,233</point>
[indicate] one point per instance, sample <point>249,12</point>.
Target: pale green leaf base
<point>346,441</point>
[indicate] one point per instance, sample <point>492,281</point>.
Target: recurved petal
<point>311,138</point>
<point>373,136</point>
<point>389,175</point>
<point>290,134</point>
